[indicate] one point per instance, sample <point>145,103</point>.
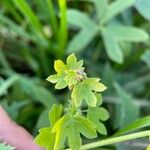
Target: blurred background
<point>111,36</point>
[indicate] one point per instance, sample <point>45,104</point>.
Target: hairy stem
<point>115,140</point>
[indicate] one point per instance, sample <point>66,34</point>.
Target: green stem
<point>115,140</point>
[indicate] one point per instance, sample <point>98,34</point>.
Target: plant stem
<point>115,140</point>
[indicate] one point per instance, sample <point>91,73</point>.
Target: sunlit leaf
<point>67,75</point>
<point>84,91</point>
<point>46,138</point>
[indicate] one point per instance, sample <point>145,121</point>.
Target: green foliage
<point>72,124</point>
<point>46,137</point>
<point>143,8</point>
<point>70,127</point>
<point>96,115</point>
<point>111,37</point>
<point>146,57</point>
<point>112,34</point>
<point>128,108</point>
<point>85,91</point>
<point>138,124</point>
<point>3,146</point>
<point>148,148</point>
<point>67,75</point>
<point>5,85</point>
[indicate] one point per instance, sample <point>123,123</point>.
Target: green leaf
<point>127,111</point>
<point>71,78</point>
<point>128,33</point>
<point>72,62</point>
<point>112,48</point>
<point>79,19</point>
<point>43,119</point>
<point>69,74</point>
<point>55,113</point>
<point>58,78</point>
<point>46,138</point>
<point>138,124</point>
<point>117,7</point>
<point>59,66</point>
<point>84,91</point>
<point>101,7</point>
<point>81,40</point>
<point>148,148</point>
<point>146,57</point>
<point>3,146</point>
<point>36,92</point>
<point>7,84</point>
<point>70,127</point>
<point>143,8</point>
<point>15,28</point>
<point>29,14</point>
<point>96,115</point>
<point>14,108</point>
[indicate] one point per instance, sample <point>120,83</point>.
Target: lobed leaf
<point>84,91</point>
<point>96,115</point>
<point>70,127</point>
<point>67,75</point>
<point>46,138</point>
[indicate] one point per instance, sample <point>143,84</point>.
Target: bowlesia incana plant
<point>83,115</point>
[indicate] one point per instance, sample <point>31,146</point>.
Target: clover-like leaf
<point>96,115</point>
<point>67,75</point>
<point>70,127</point>
<point>46,138</point>
<point>85,91</point>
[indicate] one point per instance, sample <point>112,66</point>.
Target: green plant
<point>67,124</point>
<point>116,35</point>
<point>3,146</point>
